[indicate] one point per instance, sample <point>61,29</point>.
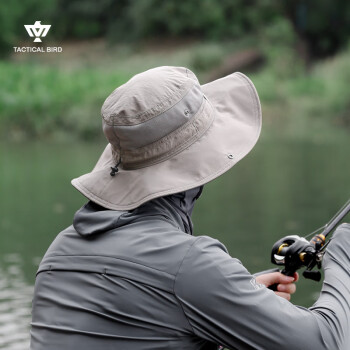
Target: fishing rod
<point>294,252</point>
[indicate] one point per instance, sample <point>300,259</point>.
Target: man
<point>128,274</point>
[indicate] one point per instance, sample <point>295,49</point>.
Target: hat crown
<point>146,95</point>
<point>153,116</point>
<point>196,139</point>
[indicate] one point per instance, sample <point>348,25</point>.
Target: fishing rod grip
<point>284,272</point>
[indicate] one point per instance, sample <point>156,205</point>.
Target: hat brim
<point>233,133</point>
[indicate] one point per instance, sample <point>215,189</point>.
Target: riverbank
<point>60,97</point>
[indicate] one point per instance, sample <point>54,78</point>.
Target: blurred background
<point>296,52</point>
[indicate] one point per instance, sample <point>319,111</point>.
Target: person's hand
<point>285,284</point>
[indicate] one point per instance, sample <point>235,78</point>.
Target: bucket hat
<point>168,134</point>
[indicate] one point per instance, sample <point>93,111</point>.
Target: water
<point>283,187</point>
<point>15,298</point>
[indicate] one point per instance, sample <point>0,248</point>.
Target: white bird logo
<point>38,30</point>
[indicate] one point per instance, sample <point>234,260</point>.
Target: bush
<point>39,101</point>
<point>322,25</point>
<point>15,14</point>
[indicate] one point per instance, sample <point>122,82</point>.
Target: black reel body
<point>294,252</point>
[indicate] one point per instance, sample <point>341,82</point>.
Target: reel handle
<point>292,252</point>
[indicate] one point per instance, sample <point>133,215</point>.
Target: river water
<point>283,187</point>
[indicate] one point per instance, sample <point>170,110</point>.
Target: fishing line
<point>294,252</point>
<point>334,216</point>
<point>314,232</point>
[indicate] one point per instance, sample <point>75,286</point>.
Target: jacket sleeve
<point>224,304</point>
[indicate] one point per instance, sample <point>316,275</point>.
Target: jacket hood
<point>93,219</point>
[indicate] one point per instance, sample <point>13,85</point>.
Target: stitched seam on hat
<point>193,126</point>
<point>148,197</point>
<point>140,152</point>
<point>186,103</point>
<point>118,150</point>
<point>168,101</point>
<point>149,114</point>
<point>202,180</point>
<point>255,100</point>
<point>256,109</point>
<point>115,148</point>
<point>180,99</point>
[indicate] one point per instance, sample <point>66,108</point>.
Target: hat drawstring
<point>115,168</point>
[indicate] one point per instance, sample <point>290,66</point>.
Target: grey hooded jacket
<point>136,280</point>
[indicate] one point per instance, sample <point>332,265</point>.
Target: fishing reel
<point>294,252</point>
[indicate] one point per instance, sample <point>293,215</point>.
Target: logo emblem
<point>38,30</point>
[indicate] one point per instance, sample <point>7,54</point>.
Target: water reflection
<point>284,187</point>
<point>15,304</point>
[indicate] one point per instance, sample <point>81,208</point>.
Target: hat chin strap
<point>115,168</point>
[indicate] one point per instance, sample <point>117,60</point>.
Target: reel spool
<point>294,252</point>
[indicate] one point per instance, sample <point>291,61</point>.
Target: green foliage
<point>323,25</point>
<point>15,14</point>
<point>207,57</point>
<point>42,101</point>
<point>306,104</point>
<point>39,101</point>
<point>208,19</point>
<point>277,42</point>
<point>81,18</point>
<point>126,20</point>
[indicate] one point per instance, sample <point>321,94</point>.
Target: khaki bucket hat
<point>168,134</point>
